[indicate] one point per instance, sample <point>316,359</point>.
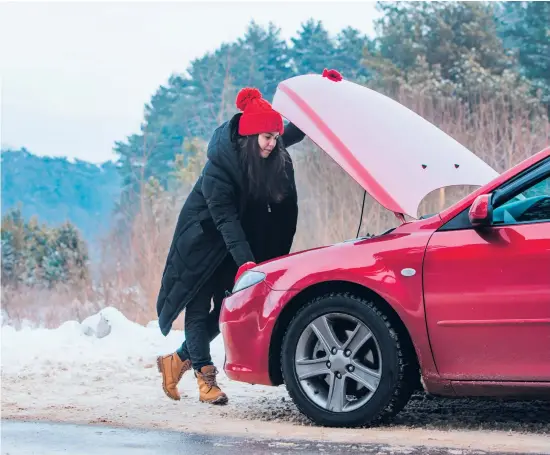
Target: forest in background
<point>479,71</point>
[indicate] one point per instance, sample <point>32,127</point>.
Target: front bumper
<point>246,326</point>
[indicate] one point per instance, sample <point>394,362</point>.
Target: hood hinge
<point>400,217</point>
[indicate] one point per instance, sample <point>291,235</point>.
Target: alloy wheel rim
<point>338,362</point>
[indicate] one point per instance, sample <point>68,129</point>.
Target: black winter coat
<point>217,218</point>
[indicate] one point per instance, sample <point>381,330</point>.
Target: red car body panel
<point>466,344</point>
<point>487,301</point>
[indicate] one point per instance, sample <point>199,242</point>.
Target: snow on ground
<point>70,375</point>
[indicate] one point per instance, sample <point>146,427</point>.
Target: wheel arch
<point>307,294</point>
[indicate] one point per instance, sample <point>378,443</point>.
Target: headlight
<point>248,279</point>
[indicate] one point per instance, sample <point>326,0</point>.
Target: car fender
<point>389,266</point>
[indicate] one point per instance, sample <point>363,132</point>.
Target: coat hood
<point>222,149</point>
<point>397,156</point>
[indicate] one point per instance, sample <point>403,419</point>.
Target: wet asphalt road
<point>25,438</point>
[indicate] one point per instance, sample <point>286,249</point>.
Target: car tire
<point>394,386</point>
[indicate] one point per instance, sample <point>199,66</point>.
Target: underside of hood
<point>397,156</point>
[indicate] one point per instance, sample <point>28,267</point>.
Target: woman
<point>242,210</point>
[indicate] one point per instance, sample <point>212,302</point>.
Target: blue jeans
<point>201,321</point>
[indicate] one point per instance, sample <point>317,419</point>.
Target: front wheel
<point>342,362</point>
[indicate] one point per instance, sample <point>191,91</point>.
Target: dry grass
<point>47,308</point>
<point>500,133</point>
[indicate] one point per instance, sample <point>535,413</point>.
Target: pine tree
<point>264,59</point>
<point>525,29</point>
<point>312,49</point>
<point>35,254</point>
<point>442,32</point>
<point>349,51</point>
<point>444,49</point>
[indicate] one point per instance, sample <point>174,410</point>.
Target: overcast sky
<point>75,76</point>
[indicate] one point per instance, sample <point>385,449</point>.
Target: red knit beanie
<point>258,115</point>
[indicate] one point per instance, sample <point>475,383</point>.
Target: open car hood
<point>397,156</point>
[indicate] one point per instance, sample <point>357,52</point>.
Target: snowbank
<point>107,337</point>
<point>107,357</point>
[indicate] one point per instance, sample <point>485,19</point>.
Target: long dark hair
<point>267,177</point>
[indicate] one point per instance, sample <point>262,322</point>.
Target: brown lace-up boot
<point>209,390</point>
<point>172,369</point>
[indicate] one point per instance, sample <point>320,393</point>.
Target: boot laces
<point>210,378</point>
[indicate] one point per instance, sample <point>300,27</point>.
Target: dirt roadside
<point>261,412</point>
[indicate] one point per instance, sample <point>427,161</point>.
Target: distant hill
<point>56,190</point>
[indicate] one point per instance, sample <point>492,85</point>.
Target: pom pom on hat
<point>257,114</point>
<point>245,96</point>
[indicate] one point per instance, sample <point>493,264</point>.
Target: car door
<point>487,290</point>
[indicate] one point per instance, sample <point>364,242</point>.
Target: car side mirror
<point>481,211</point>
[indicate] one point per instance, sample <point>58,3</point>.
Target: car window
<point>531,205</point>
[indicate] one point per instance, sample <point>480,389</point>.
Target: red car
<point>457,303</point>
